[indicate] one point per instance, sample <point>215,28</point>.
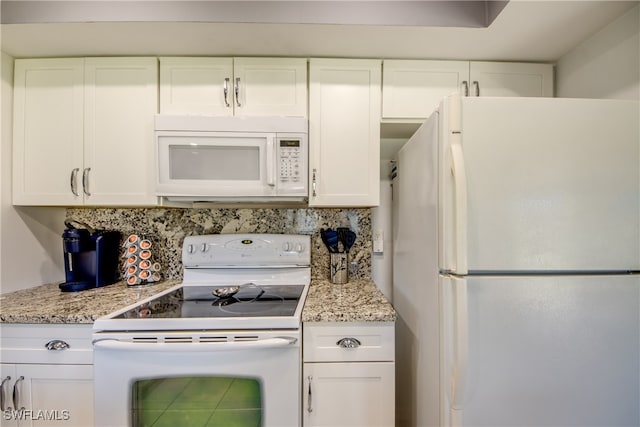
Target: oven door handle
<point>114,344</point>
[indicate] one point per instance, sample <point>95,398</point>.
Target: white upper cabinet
<point>234,86</point>
<point>270,86</point>
<point>344,132</point>
<point>196,86</point>
<point>47,131</point>
<point>510,79</point>
<point>120,103</point>
<point>83,131</point>
<point>413,89</point>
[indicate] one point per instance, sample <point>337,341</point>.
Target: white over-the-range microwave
<point>232,159</point>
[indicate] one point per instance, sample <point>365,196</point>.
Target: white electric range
<point>223,345</point>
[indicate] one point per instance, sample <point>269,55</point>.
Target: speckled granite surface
<point>47,304</point>
<point>358,300</point>
<point>167,228</point>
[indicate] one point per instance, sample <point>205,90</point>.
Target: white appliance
<point>223,347</point>
<point>516,264</point>
<point>232,159</point>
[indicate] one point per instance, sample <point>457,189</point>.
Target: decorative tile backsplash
<point>167,228</point>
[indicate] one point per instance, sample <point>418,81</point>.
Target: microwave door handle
<point>271,161</point>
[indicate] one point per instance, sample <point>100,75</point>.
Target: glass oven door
<point>215,164</point>
<point>248,378</point>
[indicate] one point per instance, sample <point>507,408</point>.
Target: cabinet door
<point>270,87</point>
<point>121,101</point>
<point>57,395</point>
<point>414,89</point>
<point>8,379</point>
<point>196,86</point>
<point>344,132</point>
<point>348,394</point>
<point>47,133</point>
<point>510,79</point>
<point>51,395</point>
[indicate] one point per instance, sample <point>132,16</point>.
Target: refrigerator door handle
<point>461,354</point>
<point>460,209</point>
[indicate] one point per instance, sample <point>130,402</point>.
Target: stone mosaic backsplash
<point>167,228</point>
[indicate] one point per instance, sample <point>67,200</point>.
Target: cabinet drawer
<point>330,342</point>
<point>28,344</point>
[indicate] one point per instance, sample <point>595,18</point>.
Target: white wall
<point>382,219</point>
<point>30,238</point>
<point>607,65</point>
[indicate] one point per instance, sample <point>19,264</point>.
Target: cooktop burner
<point>248,300</point>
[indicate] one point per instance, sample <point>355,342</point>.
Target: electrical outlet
<point>378,239</point>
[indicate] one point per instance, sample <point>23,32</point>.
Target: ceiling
<point>540,31</point>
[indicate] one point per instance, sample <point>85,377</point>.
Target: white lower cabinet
<point>47,375</point>
<point>348,374</point>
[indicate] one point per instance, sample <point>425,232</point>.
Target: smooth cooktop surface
<point>248,300</point>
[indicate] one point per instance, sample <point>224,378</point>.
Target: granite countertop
<point>358,300</point>
<point>47,304</point>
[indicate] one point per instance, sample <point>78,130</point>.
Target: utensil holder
<point>339,268</point>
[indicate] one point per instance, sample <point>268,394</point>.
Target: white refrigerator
<point>516,271</point>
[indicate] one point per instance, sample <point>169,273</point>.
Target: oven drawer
<point>46,343</point>
<point>348,342</point>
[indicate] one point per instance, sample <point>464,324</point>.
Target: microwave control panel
<point>291,163</point>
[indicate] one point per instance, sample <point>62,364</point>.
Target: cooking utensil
<point>342,237</point>
<point>346,237</point>
<point>323,235</point>
<point>349,240</point>
<point>330,239</point>
<point>225,292</point>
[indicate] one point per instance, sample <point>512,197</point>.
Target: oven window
<point>197,401</point>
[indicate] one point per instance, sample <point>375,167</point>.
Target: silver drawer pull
<point>225,91</point>
<point>57,345</point>
<point>349,342</point>
<point>309,408</point>
<point>74,182</point>
<point>16,394</point>
<point>2,398</point>
<point>85,181</point>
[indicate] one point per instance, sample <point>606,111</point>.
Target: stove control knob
<point>299,248</point>
<point>191,249</point>
<point>286,246</point>
<point>204,247</point>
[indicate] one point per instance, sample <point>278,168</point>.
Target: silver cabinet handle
<point>476,85</point>
<point>313,183</point>
<point>57,345</point>
<point>16,394</point>
<point>2,398</point>
<point>237,90</point>
<point>74,181</point>
<point>465,85</point>
<point>85,181</point>
<point>349,342</point>
<point>309,408</point>
<point>225,89</point>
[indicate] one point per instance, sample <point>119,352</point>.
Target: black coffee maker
<point>90,257</point>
